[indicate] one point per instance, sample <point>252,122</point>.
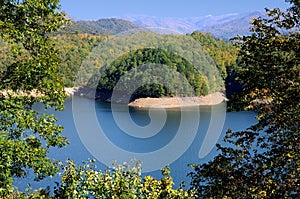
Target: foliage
<point>30,76</point>
<point>223,53</point>
<point>115,48</point>
<point>110,75</point>
<point>31,194</point>
<point>264,160</point>
<point>121,181</point>
<point>73,49</point>
<point>80,52</point>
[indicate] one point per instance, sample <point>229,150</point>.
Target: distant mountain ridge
<point>110,26</point>
<point>222,26</point>
<point>232,28</point>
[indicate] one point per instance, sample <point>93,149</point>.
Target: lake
<point>157,137</point>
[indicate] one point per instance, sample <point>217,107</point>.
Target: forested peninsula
<point>79,49</point>
<point>40,55</point>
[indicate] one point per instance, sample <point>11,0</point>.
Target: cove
<point>137,142</point>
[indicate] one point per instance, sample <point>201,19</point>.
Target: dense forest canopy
<point>86,53</point>
<point>73,49</point>
<point>164,81</point>
<point>223,54</point>
<point>114,48</point>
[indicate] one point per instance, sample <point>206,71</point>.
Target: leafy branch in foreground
<point>30,77</point>
<point>264,160</point>
<point>121,181</point>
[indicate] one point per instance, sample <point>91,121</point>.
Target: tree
<point>25,135</point>
<point>111,74</point>
<point>264,160</point>
<point>120,181</point>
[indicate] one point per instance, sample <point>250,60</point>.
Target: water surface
<point>135,144</point>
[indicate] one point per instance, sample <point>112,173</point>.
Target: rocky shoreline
<point>90,93</point>
<point>163,102</point>
<point>178,102</point>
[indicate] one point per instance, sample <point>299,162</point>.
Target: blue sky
<point>96,9</point>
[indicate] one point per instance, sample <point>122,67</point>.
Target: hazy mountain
<point>109,26</point>
<point>223,26</point>
<point>179,25</point>
<point>231,28</point>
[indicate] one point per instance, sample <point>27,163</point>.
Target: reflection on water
<point>179,169</point>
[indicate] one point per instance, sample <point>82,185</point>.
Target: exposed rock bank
<point>177,102</point>
<point>163,102</point>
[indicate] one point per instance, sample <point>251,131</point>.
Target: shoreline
<point>179,102</point>
<point>163,102</point>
